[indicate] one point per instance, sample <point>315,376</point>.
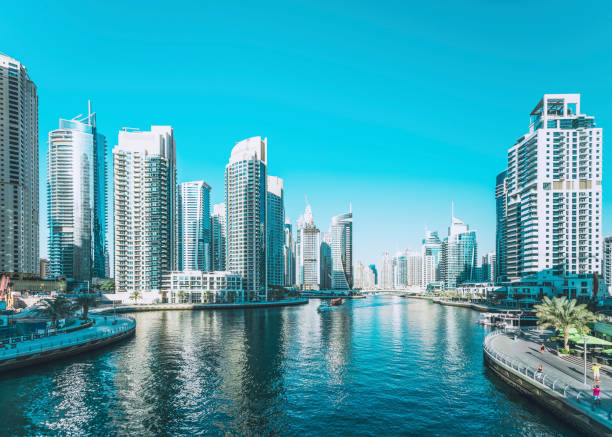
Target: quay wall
<point>198,306</point>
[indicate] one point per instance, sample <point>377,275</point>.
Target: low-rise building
<point>477,289</point>
<point>579,286</point>
<point>195,286</point>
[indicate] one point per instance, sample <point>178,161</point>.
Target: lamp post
<point>585,358</point>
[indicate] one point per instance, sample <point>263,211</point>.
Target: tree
<point>135,295</point>
<point>181,296</point>
<point>57,308</point>
<point>563,314</point>
<point>86,301</point>
<point>107,285</point>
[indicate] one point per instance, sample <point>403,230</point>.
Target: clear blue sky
<point>397,107</point>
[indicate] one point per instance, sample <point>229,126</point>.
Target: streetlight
<point>585,358</point>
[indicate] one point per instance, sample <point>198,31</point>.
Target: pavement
<point>526,350</point>
<point>103,327</point>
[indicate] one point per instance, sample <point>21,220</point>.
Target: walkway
<point>102,328</point>
<point>566,378</point>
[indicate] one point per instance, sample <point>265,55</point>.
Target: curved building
<point>342,251</point>
<point>245,200</point>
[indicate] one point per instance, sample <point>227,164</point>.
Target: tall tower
<point>144,208</point>
<point>552,194</point>
<point>607,261</point>
<point>246,199</point>
<point>308,252</point>
<point>77,199</point>
<point>459,255</point>
<point>18,169</point>
<point>194,226</point>
<point>276,231</point>
<point>289,254</point>
<point>342,251</point>
<point>219,232</point>
<point>431,254</point>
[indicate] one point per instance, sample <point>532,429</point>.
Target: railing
<point>540,378</point>
<point>66,341</point>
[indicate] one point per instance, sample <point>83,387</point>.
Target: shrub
<point>564,351</point>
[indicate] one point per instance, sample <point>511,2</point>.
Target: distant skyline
<point>395,108</point>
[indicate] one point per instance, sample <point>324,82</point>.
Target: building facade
<point>194,226</point>
<point>550,196</point>
<point>431,254</point>
<point>245,201</point>
<point>385,275</point>
<point>289,254</point>
<point>607,261</point>
<point>276,231</point>
<point>308,252</point>
<point>19,214</point>
<point>193,286</point>
<point>77,200</point>
<point>342,251</point>
<point>145,231</point>
<point>325,256</point>
<point>219,232</point>
<point>459,255</point>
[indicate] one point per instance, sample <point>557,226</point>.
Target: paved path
<point>526,351</point>
<point>103,327</point>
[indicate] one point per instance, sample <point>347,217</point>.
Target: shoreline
<point>197,306</point>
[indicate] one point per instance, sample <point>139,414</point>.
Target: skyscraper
<point>219,231</point>
<point>342,251</point>
<point>552,194</point>
<point>77,199</point>
<point>607,261</point>
<point>18,169</point>
<point>246,200</point>
<point>414,268</point>
<point>385,280</point>
<point>400,271</point>
<point>501,210</point>
<point>488,267</point>
<point>289,254</point>
<point>276,231</point>
<point>194,226</point>
<point>431,253</point>
<point>325,257</point>
<point>308,252</point>
<point>145,208</point>
<point>459,255</point>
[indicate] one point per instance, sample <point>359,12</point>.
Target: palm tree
<point>135,295</point>
<point>57,308</point>
<point>107,285</point>
<point>86,301</point>
<point>181,296</point>
<point>563,314</point>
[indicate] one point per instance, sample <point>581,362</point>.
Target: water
<point>381,365</point>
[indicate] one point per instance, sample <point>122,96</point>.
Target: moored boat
<point>335,302</point>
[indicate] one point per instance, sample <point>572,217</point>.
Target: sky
<point>395,107</point>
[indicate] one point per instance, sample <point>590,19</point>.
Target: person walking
<point>596,367</point>
<point>542,348</point>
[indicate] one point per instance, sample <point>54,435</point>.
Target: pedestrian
<point>539,372</point>
<point>596,367</point>
<point>596,392</point>
<point>542,348</point>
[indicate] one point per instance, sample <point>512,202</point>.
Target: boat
<point>335,302</point>
<point>508,320</point>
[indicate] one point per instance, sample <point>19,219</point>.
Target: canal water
<point>377,366</point>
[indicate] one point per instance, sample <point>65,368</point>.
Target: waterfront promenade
<point>196,306</point>
<point>105,330</point>
<point>561,383</point>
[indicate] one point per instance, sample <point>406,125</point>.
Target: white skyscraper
<point>385,279</point>
<point>276,231</point>
<point>308,252</point>
<point>77,199</point>
<point>18,169</point>
<point>488,267</point>
<point>144,208</point>
<point>431,253</point>
<point>194,226</point>
<point>414,268</point>
<point>246,200</point>
<point>342,251</point>
<point>219,232</point>
<point>550,196</point>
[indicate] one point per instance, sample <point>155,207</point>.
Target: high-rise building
<point>342,251</point>
<point>194,226</point>
<point>276,231</point>
<point>289,254</point>
<point>501,210</point>
<point>488,267</point>
<point>431,254</point>
<point>145,203</point>
<point>374,273</point>
<point>414,268</point>
<point>550,198</point>
<point>400,271</point>
<point>219,231</point>
<point>607,261</point>
<point>363,276</point>
<point>308,252</point>
<point>325,281</point>
<point>385,280</point>
<point>18,169</point>
<point>77,199</point>
<point>459,255</point>
<point>246,200</point>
